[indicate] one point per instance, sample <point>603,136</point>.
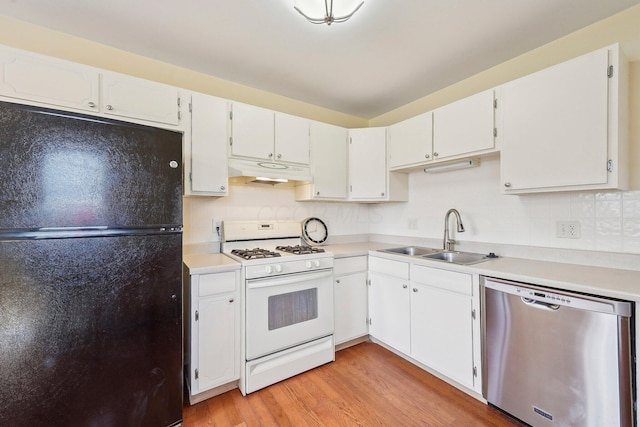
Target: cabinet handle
<point>415,289</point>
<point>404,286</point>
<point>231,300</point>
<point>435,154</point>
<point>426,156</point>
<point>507,184</point>
<point>270,155</point>
<point>279,156</point>
<point>109,107</point>
<point>91,104</point>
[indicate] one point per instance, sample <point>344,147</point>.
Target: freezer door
<point>90,331</point>
<point>61,169</point>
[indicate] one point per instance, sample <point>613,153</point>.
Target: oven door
<point>288,310</point>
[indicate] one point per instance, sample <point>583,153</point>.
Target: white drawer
<point>443,279</point>
<point>218,283</point>
<point>392,268</point>
<point>349,265</point>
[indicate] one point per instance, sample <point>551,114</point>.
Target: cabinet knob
<point>270,155</point>
<point>222,187</point>
<point>507,184</point>
<point>435,154</point>
<point>279,156</point>
<point>231,300</point>
<point>415,289</point>
<point>91,104</point>
<point>426,156</point>
<point>109,107</point>
<point>337,280</point>
<point>404,286</point>
<point>317,193</point>
<point>382,194</point>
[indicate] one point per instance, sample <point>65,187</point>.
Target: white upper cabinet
<point>49,81</point>
<point>564,127</point>
<point>328,145</point>
<point>205,147</point>
<point>131,97</point>
<point>368,163</point>
<point>410,141</point>
<point>264,134</point>
<point>464,127</point>
<point>291,139</point>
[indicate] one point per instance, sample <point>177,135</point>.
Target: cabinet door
<point>329,160</point>
<point>442,332</point>
<point>47,80</point>
<point>135,98</point>
<point>252,130</point>
<point>208,174</point>
<point>291,138</point>
<point>350,307</point>
<point>367,163</point>
<point>410,141</point>
<point>389,304</point>
<point>216,341</point>
<point>555,126</point>
<point>465,126</point>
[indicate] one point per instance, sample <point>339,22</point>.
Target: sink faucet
<point>447,242</point>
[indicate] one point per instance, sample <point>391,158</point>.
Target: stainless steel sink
<point>463,258</point>
<point>410,250</point>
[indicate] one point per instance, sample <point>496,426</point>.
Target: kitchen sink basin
<point>410,250</point>
<point>463,258</point>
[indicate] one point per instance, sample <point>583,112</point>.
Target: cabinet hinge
<point>609,165</point>
<point>610,71</point>
<point>495,132</point>
<point>495,103</point>
<point>368,282</point>
<point>190,107</point>
<point>230,115</point>
<point>190,177</point>
<point>196,374</point>
<point>350,140</point>
<point>179,117</point>
<point>473,313</point>
<point>351,188</point>
<point>369,321</point>
<point>230,140</point>
<point>197,315</point>
<point>475,371</point>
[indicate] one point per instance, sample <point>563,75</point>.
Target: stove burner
<point>255,253</point>
<point>300,250</point>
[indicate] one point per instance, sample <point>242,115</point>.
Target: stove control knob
<point>316,263</point>
<point>278,268</point>
<point>268,269</point>
<point>308,264</point>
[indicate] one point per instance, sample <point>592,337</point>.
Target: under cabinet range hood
<point>269,172</point>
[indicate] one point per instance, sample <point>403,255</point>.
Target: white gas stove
<point>287,300</point>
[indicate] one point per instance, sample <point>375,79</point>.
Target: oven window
<point>293,307</point>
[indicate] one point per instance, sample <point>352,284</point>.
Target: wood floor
<point>367,385</point>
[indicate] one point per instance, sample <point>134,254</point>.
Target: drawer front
<point>218,283</point>
<point>392,268</point>
<point>349,265</point>
<point>443,279</point>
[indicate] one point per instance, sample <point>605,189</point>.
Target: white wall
<point>610,221</point>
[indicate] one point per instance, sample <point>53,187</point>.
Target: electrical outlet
<point>568,229</point>
<point>217,229</point>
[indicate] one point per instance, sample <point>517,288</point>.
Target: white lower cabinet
<point>389,300</point>
<point>428,314</point>
<point>442,322</point>
<point>213,334</point>
<point>350,298</point>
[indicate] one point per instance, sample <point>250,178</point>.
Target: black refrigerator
<point>90,271</point>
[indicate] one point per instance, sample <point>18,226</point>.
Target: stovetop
<point>256,253</point>
<point>300,249</point>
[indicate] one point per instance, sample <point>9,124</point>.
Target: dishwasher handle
<point>540,304</point>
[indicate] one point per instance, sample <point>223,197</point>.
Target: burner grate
<point>255,253</point>
<point>300,250</point>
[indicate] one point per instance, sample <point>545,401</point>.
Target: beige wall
<point>38,39</point>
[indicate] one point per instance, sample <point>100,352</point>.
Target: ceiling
<point>389,54</point>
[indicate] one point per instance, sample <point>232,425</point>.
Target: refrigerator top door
<point>62,170</point>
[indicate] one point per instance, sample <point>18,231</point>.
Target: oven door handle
<point>287,280</point>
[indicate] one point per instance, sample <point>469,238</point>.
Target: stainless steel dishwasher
<point>554,358</point>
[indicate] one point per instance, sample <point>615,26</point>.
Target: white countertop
<point>209,263</point>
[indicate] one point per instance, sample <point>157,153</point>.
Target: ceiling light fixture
<point>328,15</point>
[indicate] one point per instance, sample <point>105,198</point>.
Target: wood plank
<point>367,385</point>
